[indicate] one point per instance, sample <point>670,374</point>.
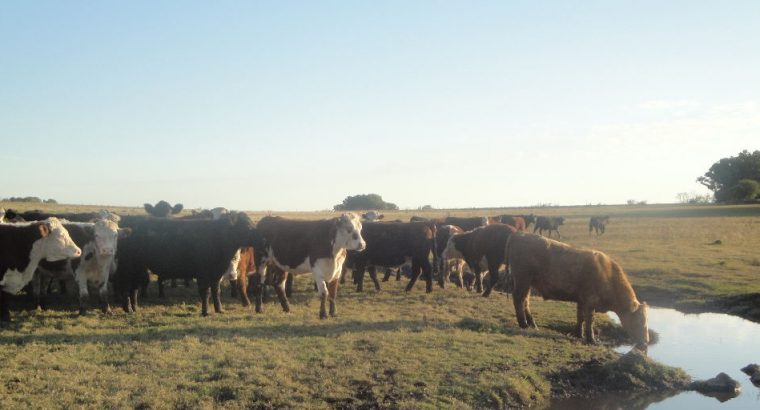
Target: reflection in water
<point>703,345</point>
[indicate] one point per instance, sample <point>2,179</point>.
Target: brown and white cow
<point>481,247</point>
<point>319,247</point>
<point>22,247</point>
<point>588,277</point>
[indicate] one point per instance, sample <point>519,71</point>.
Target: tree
<point>364,201</point>
<point>746,189</point>
<point>724,176</point>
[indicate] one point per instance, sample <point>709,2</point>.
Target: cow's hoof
<point>258,310</point>
<point>82,312</point>
<point>204,314</point>
<point>322,315</point>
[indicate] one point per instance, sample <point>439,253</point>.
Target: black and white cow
<point>22,247</point>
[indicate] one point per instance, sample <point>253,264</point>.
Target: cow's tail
<point>434,249</point>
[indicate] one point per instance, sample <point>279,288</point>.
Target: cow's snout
<point>106,252</point>
<point>76,252</point>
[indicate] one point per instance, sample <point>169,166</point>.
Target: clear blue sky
<point>285,105</point>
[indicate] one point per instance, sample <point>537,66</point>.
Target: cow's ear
<point>44,230</point>
<point>124,232</point>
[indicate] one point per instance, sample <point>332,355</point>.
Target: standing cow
<point>482,249</point>
<point>548,223</point>
<point>182,249</point>
<point>588,277</point>
<point>598,224</point>
<point>319,247</point>
<point>22,247</point>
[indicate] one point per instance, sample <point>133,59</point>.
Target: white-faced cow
<point>22,247</point>
<point>319,247</point>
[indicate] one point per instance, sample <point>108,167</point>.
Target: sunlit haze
<point>296,105</point>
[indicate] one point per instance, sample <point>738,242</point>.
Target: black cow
<point>163,209</point>
<point>598,224</point>
<point>466,224</point>
<point>390,245</point>
<point>170,248</point>
<point>548,223</point>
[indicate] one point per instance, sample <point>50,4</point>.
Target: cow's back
<point>293,241</point>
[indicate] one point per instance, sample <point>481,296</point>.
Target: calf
<point>598,223</point>
<point>182,249</point>
<point>548,223</point>
<point>22,247</point>
<point>479,247</point>
<point>588,277</point>
<point>318,247</point>
<point>444,232</point>
<point>466,224</point>
<point>390,245</point>
<point>241,266</point>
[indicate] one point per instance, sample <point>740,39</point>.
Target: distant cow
<point>517,222</point>
<point>22,247</point>
<point>481,248</point>
<point>181,249</point>
<point>598,224</point>
<point>390,245</point>
<point>466,224</point>
<point>319,247</point>
<point>372,216</point>
<point>588,277</point>
<point>163,209</point>
<point>548,223</point>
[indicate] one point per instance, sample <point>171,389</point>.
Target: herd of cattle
<point>218,244</point>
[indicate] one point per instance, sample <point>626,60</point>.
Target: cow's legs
<point>204,291</point>
<point>387,274</point>
<point>322,291</point>
<point>478,276</point>
<point>416,270</point>
<point>105,307</point>
<point>398,274</point>
<point>521,295</point>
<point>588,317</point>
<point>332,289</point>
<point>5,314</point>
<point>257,281</point>
<point>428,270</point>
<point>84,294</point>
<point>443,272</point>
<point>133,299</point>
<point>289,285</point>
<point>579,322</point>
<point>373,275</point>
<point>242,287</point>
<point>216,293</point>
<point>280,284</point>
<point>460,273</point>
<point>161,293</point>
<point>493,277</point>
<point>358,275</point>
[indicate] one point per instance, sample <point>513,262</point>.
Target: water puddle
<point>703,345</point>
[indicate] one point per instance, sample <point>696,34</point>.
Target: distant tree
<point>746,189</point>
<point>694,198</point>
<point>51,201</point>
<point>23,199</point>
<point>724,176</point>
<point>365,201</point>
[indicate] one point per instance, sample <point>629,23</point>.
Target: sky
<point>295,105</point>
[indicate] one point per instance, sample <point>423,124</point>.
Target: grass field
<point>391,349</point>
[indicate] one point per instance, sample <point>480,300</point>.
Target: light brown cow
<point>588,277</point>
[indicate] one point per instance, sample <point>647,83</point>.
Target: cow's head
<point>349,233</point>
<point>635,323</point>
<point>55,243</point>
<point>107,234</point>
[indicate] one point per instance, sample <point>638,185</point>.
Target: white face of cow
<point>55,244</point>
<point>106,236</point>
<point>349,235</point>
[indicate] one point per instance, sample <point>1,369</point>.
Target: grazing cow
<point>372,216</point>
<point>481,247</point>
<point>174,248</point>
<point>548,223</point>
<point>390,245</point>
<point>598,223</point>
<point>22,247</point>
<point>444,232</point>
<point>466,224</point>
<point>588,277</point>
<point>318,247</point>
<point>163,209</point>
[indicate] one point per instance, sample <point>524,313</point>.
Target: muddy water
<point>703,345</point>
